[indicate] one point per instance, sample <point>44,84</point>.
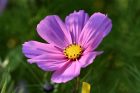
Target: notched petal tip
<point>30,61</point>
<point>79,11</point>
<point>61,81</point>
<point>99,52</point>
<point>24,45</point>
<point>102,15</point>
<point>99,13</point>
<point>44,19</point>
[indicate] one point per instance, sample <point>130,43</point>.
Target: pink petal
<point>33,48</point>
<point>53,30</point>
<point>51,65</point>
<point>75,23</point>
<point>49,61</point>
<point>97,27</point>
<point>66,73</point>
<point>88,58</point>
<point>46,56</point>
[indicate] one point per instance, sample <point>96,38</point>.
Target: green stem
<point>77,81</point>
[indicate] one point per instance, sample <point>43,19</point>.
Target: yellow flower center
<point>73,51</point>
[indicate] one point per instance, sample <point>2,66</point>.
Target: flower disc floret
<point>73,51</point>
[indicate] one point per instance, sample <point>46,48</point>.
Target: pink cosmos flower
<point>71,44</point>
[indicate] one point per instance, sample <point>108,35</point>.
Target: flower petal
<point>33,48</point>
<point>75,23</point>
<point>88,58</point>
<point>97,27</point>
<point>66,73</point>
<point>53,30</point>
<point>49,62</point>
<point>51,65</point>
<point>46,56</point>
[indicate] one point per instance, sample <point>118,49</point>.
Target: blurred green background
<point>117,70</point>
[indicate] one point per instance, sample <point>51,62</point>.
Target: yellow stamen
<point>73,51</point>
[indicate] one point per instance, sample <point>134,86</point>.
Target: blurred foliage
<point>115,71</point>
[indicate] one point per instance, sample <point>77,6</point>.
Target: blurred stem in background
<point>76,85</point>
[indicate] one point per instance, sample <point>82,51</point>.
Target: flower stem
<point>77,81</point>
